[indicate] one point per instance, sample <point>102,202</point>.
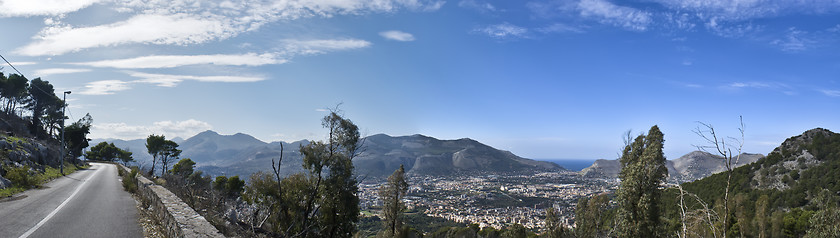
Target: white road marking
<point>47,218</point>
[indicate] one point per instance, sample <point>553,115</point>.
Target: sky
<point>540,78</point>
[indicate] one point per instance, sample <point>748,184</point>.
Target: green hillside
<point>789,180</point>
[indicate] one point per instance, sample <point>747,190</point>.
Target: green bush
<point>129,180</point>
<point>21,177</point>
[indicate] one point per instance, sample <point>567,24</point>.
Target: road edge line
<point>49,216</point>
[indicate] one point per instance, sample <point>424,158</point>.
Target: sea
<point>571,164</point>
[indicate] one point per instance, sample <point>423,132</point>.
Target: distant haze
<point>571,164</point>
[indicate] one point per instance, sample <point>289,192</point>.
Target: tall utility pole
<point>61,150</point>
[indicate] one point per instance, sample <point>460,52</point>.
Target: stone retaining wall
<point>177,218</point>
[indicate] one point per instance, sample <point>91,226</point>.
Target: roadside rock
<point>4,183</point>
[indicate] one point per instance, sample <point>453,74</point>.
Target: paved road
<point>88,203</point>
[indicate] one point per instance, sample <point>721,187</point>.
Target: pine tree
<point>639,195</point>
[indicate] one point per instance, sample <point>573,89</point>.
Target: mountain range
<point>241,154</point>
<point>692,166</point>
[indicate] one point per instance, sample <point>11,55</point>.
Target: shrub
<point>21,177</point>
<point>129,180</point>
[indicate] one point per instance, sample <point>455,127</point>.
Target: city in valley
<point>494,199</point>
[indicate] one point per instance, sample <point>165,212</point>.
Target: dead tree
<point>723,146</point>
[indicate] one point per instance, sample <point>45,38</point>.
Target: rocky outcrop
<point>23,151</point>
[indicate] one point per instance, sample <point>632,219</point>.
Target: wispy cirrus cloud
<point>108,87</point>
<point>170,129</point>
<point>178,29</point>
<point>749,9</point>
<point>726,18</point>
<point>478,5</point>
<point>609,13</point>
<point>397,35</point>
<point>27,8</point>
<point>105,87</point>
<point>559,28</point>
<point>312,47</point>
<point>171,61</point>
<point>830,93</point>
<point>772,86</point>
<point>54,71</point>
<point>24,63</point>
<point>186,23</point>
<point>171,80</point>
<point>503,31</point>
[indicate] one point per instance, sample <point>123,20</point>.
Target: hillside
<point>426,155</point>
<point>689,167</point>
<point>792,173</point>
<point>789,179</point>
<point>241,154</point>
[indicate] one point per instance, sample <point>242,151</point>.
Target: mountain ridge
<point>689,167</point>
<point>242,154</point>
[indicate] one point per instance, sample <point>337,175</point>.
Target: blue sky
<point>541,78</point>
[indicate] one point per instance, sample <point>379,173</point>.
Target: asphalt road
<point>88,203</point>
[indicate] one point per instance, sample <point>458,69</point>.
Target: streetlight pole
<point>61,150</point>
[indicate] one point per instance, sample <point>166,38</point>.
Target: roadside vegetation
<point>31,119</point>
<point>24,178</point>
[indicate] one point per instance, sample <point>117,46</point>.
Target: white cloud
<point>54,71</point>
<point>170,129</point>
<point>26,8</point>
<point>105,87</point>
<point>772,86</point>
<point>178,29</point>
<point>108,87</point>
<point>311,47</point>
<point>736,10</point>
<point>609,13</point>
<point>397,35</point>
<point>731,30</point>
<point>171,61</point>
<point>478,5</point>
<point>831,93</point>
<point>193,22</point>
<point>503,31</point>
<point>559,28</point>
<point>169,80</point>
<point>749,85</point>
<point>24,63</point>
<point>794,41</point>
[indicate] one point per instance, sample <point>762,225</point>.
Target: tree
<point>125,157</point>
<point>337,206</point>
<point>105,151</point>
<point>826,221</point>
<point>169,153</point>
<point>392,193</point>
<point>639,195</point>
<point>230,187</point>
<point>14,89</point>
<point>554,229</point>
<point>723,146</point>
<point>589,216</point>
<point>761,215</point>
<point>322,200</point>
<point>154,145</point>
<point>184,167</point>
<point>76,136</point>
<point>42,95</point>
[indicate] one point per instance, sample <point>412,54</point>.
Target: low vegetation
<point>25,177</point>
